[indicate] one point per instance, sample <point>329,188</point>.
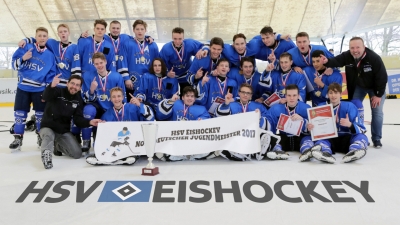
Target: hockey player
<point>200,67</point>
<point>239,49</point>
<point>297,110</point>
<point>96,91</point>
<point>319,80</point>
<point>351,138</point>
<point>242,105</point>
<point>155,85</point>
<point>183,110</point>
<point>93,44</point>
<point>213,87</point>
<point>178,53</point>
<point>123,112</point>
<point>67,54</point>
<point>62,104</point>
<point>138,54</point>
<point>36,68</point>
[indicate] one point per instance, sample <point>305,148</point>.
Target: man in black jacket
<point>365,74</point>
<point>62,105</point>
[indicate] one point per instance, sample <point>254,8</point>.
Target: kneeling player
<point>123,112</point>
<point>241,105</point>
<point>350,130</point>
<point>183,110</point>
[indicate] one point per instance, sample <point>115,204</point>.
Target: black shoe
<point>354,155</point>
<point>377,144</point>
<point>86,145</point>
<point>17,143</point>
<point>46,159</point>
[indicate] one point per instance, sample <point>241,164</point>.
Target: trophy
<point>149,136</point>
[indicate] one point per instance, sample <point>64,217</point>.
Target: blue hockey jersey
<point>129,112</point>
<point>215,88</point>
<point>206,64</point>
<point>280,81</point>
<point>302,61</point>
<point>264,51</point>
<point>178,111</point>
<point>116,44</point>
<point>258,90</point>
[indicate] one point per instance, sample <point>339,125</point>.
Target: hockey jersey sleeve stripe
<point>148,113</point>
<point>223,110</point>
<point>263,123</point>
<point>165,108</point>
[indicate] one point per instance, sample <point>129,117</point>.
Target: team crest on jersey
<point>133,78</point>
<point>76,57</point>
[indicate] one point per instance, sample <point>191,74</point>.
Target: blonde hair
<point>63,25</point>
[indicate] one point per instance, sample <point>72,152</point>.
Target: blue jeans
<point>377,113</point>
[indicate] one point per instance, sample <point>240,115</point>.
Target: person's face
<point>215,51</point>
<point>157,67</point>
<point>317,63</point>
<point>189,98</point>
<point>116,98</point>
<point>115,29</point>
<point>303,44</point>
<point>240,45</point>
<point>357,48</point>
<point>63,33</point>
<point>245,94</point>
<point>41,38</point>
<point>223,68</point>
<point>292,96</point>
<point>139,31</point>
<point>285,63</point>
<point>247,68</point>
<point>99,30</point>
<point>74,86</point>
<point>177,38</point>
<point>100,65</point>
<point>334,97</point>
<point>268,39</point>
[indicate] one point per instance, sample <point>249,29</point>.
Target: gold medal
<point>283,91</point>
<point>103,97</point>
<point>317,93</point>
<point>159,97</point>
<point>142,59</point>
<point>61,65</point>
<point>116,57</point>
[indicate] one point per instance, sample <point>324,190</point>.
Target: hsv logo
<point>126,191</point>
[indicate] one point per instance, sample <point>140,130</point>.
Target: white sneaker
<point>323,156</point>
<point>278,154</point>
<point>354,155</point>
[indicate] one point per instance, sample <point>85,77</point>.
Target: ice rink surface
<point>380,168</point>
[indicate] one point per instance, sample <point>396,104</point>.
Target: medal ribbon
<point>293,111</point>
<point>185,110</point>
<point>244,109</point>
<point>358,64</point>
<point>94,45</point>
<point>116,47</point>
<point>62,53</point>
<point>140,46</point>
<point>178,53</point>
<point>122,113</point>
<point>240,57</point>
<point>159,84</point>
<point>39,49</point>
<point>212,63</point>
<point>308,56</point>
<point>337,113</point>
<point>287,77</point>
<point>103,86</point>
<point>222,91</point>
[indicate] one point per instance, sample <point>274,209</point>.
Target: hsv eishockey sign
<point>238,133</point>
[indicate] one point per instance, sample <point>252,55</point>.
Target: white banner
<point>238,133</point>
<point>8,89</point>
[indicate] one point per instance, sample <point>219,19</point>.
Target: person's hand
<point>282,100</point>
<point>205,79</point>
<point>56,80</point>
<point>228,98</point>
<point>285,37</point>
<point>174,98</point>
<point>85,34</point>
<point>171,73</point>
<point>345,122</point>
<point>375,101</point>
<point>310,126</point>
<point>259,100</point>
<point>318,81</point>
<point>21,43</point>
<point>134,100</point>
<point>296,116</point>
<point>150,40</point>
<point>129,84</point>
<point>270,67</point>
<point>214,73</point>
<point>95,122</point>
<point>323,59</point>
<point>93,85</point>
<point>272,57</point>
<point>27,55</point>
<point>328,71</point>
<point>199,73</point>
<point>259,113</point>
<point>298,69</point>
<point>201,54</point>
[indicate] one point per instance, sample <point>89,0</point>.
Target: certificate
<point>215,104</point>
<point>272,100</point>
<point>323,119</point>
<point>287,125</point>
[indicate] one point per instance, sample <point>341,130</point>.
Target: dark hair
<point>286,54</point>
<point>302,34</point>
<point>125,128</point>
<point>317,54</point>
<point>115,22</point>
<point>292,87</point>
<point>178,30</point>
<point>357,38</point>
<point>267,30</point>
<point>217,41</point>
<point>77,77</point>
<point>239,35</point>
<point>163,67</point>
<point>102,22</point>
<point>247,86</point>
<point>222,60</point>
<point>246,59</point>
<point>189,89</point>
<point>335,87</point>
<point>137,22</point>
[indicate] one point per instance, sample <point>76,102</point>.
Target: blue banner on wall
<point>394,84</point>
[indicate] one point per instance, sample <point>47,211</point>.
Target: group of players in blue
<point>128,79</point>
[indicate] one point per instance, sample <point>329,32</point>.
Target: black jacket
<point>61,107</point>
<point>370,74</point>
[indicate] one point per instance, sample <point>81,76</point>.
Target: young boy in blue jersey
<point>216,86</point>
<point>155,85</point>
<point>239,49</point>
<point>207,64</point>
<point>93,44</point>
<point>351,138</point>
<point>36,68</point>
<point>319,80</point>
<point>96,92</point>
<point>175,109</point>
<point>296,110</point>
<point>138,54</point>
<point>242,105</point>
<point>134,111</point>
<point>178,54</point>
